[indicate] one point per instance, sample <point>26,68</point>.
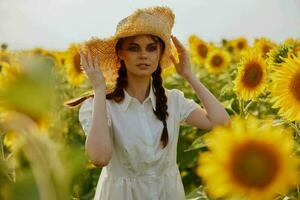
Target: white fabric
<point>139,168</point>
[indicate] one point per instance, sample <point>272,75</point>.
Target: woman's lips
<point>143,65</point>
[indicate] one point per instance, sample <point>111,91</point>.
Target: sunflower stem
<point>241,105</point>
<point>297,128</point>
<point>247,106</point>
<point>1,146</point>
<point>10,176</point>
<point>294,126</point>
<point>298,125</point>
<point>298,192</point>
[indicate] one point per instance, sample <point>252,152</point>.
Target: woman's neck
<point>138,88</point>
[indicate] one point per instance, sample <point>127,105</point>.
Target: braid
<point>161,104</point>
<point>118,93</point>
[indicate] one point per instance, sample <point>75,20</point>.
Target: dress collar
<point>127,99</point>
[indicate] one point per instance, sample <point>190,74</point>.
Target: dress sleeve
<point>86,114</point>
<point>185,105</point>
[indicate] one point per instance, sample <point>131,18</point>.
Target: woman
<point>132,132</point>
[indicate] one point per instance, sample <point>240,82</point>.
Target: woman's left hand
<point>183,67</point>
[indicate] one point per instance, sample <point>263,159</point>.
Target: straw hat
<point>156,21</point>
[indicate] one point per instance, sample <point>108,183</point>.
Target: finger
<point>180,48</point>
<point>82,58</point>
<point>177,43</point>
<point>97,63</point>
<point>90,62</point>
<point>173,59</point>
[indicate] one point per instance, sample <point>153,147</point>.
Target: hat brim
<point>109,63</point>
<point>157,21</point>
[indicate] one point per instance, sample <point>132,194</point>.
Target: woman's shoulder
<point>174,93</point>
<point>86,104</point>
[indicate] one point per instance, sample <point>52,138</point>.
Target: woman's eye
<point>152,48</point>
<point>133,48</point>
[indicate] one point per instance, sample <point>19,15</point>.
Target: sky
<point>55,24</point>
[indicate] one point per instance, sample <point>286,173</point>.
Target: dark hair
<point>117,94</point>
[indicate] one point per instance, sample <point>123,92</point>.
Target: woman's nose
<point>143,53</point>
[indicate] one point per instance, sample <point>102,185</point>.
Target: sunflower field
<point>256,157</point>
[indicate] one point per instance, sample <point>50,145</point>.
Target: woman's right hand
<point>92,70</point>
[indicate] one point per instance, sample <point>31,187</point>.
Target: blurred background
<point>247,53</point>
<point>54,24</point>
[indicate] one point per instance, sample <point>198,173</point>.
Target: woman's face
<point>141,55</point>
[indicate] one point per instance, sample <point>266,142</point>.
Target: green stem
<point>10,175</point>
<point>247,106</point>
<point>294,126</point>
<point>1,146</point>
<point>241,105</point>
<point>298,192</point>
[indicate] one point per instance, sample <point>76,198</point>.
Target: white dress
<point>139,168</point>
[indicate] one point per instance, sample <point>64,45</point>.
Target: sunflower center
<point>295,86</point>
<point>254,165</point>
<point>240,45</point>
<point>62,61</point>
<point>253,75</point>
<point>216,61</point>
<point>230,49</point>
<point>38,52</point>
<point>266,49</point>
<point>202,50</point>
<point>76,61</point>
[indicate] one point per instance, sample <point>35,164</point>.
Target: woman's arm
<point>213,112</point>
<point>98,143</point>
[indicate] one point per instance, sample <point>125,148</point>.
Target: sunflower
<point>294,43</point>
<point>217,60</point>
<point>277,55</point>
<point>248,159</point>
<point>26,91</point>
<point>74,72</point>
<point>198,49</point>
<point>286,88</point>
<point>228,45</point>
<point>264,45</point>
<point>61,57</point>
<point>240,44</point>
<point>251,76</point>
